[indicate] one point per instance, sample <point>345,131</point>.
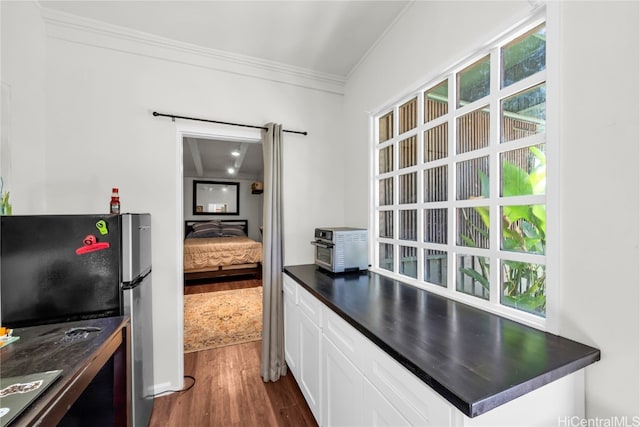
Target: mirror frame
<point>225,183</point>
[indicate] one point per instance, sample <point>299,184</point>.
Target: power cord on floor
<point>179,391</point>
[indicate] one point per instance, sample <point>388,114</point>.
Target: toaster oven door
<point>324,254</point>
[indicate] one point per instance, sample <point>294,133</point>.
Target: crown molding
<point>76,29</point>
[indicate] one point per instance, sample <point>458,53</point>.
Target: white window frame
<point>543,14</point>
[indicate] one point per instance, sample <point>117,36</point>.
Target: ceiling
<point>204,158</point>
<point>324,37</point>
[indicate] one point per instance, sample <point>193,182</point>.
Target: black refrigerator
<point>57,268</point>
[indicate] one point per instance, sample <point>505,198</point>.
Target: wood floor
<point>221,285</point>
<point>228,389</point>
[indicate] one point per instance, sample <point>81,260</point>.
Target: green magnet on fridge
<point>102,227</point>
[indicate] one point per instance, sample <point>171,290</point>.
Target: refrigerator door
<point>56,268</point>
<point>137,305</point>
<point>136,247</point>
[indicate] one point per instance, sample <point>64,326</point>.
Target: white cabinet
<point>416,401</point>
<point>310,339</point>
<point>345,378</point>
<point>373,388</point>
<point>291,352</point>
<point>342,386</point>
<point>379,411</point>
<point>303,341</point>
<point>343,382</point>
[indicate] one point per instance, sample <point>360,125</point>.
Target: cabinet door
<point>416,401</point>
<point>342,388</point>
<point>291,325</point>
<point>378,411</point>
<point>310,339</point>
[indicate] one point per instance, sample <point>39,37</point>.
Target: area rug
<point>217,319</point>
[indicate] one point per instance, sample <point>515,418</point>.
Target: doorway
<point>207,155</point>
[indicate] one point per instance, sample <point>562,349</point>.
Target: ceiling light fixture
<point>231,170</point>
<point>235,153</point>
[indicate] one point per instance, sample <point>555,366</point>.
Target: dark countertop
<point>80,357</point>
<point>475,359</point>
<point>44,347</point>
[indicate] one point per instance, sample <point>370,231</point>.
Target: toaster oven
<point>341,249</point>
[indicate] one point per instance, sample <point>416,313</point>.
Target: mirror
<point>216,198</point>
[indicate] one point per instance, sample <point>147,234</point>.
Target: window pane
<point>524,171</point>
<point>435,184</point>
<point>409,261</point>
<point>386,256</point>
<point>386,191</point>
<point>473,130</point>
<point>473,227</point>
<point>385,157</point>
<point>493,167</point>
<point>473,275</point>
<point>408,188</point>
<point>524,286</point>
<point>435,267</point>
<point>408,225</point>
<point>385,125</point>
<point>436,143</point>
<point>386,224</point>
<point>408,115</point>
<point>473,82</point>
<point>408,152</point>
<point>524,114</point>
<point>524,56</point>
<point>436,101</point>
<point>435,226</point>
<point>472,178</point>
<point>524,228</point>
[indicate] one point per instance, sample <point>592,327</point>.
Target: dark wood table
<point>81,357</point>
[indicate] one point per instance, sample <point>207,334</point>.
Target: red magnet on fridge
<point>91,245</point>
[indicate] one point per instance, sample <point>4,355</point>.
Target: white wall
<point>599,113</point>
<point>97,131</point>
<point>250,205</point>
<point>599,209</point>
<point>23,116</point>
<point>426,40</point>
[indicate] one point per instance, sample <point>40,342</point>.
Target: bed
<point>220,248</point>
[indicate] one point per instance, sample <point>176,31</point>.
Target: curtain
<point>272,362</point>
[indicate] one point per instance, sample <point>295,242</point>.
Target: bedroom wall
<point>250,205</point>
<point>100,87</point>
<point>598,236</point>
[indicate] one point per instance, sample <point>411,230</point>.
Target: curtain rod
<point>173,117</point>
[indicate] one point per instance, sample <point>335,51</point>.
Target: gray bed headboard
<point>243,222</point>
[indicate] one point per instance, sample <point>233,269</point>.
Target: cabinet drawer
<point>310,306</point>
<point>289,287</point>
<point>415,400</point>
<point>344,336</point>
